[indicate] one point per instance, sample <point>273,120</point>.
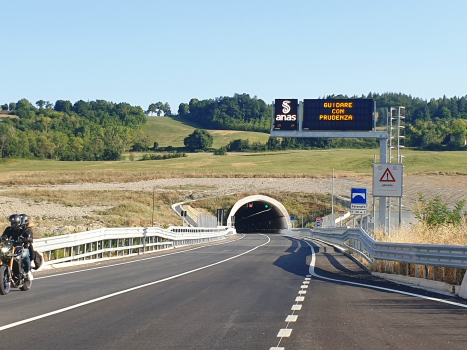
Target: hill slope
<point>171,131</point>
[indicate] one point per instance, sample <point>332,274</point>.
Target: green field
<point>171,131</point>
<point>276,164</point>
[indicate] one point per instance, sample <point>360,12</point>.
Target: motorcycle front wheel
<point>5,283</point>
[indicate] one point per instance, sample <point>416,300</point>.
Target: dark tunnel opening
<point>259,216</point>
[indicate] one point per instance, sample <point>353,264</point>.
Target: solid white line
<point>313,273</point>
<point>18,323</point>
<point>135,261</point>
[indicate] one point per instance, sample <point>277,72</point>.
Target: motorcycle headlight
<point>4,249</point>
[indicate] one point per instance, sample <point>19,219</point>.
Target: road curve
<point>234,295</point>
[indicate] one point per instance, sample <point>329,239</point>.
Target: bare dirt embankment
<point>58,218</point>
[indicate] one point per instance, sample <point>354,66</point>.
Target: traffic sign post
<point>358,201</point>
<point>292,220</point>
<point>387,179</point>
<point>341,215</point>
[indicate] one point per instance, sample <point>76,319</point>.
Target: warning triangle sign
<point>387,176</point>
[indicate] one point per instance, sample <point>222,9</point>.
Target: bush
<point>220,151</point>
<point>163,156</point>
<point>436,213</point>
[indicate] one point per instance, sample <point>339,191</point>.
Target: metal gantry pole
<point>332,200</point>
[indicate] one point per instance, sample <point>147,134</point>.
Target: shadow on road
<point>295,258</point>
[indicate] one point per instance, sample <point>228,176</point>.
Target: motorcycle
<point>12,270</point>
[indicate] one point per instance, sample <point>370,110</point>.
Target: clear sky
<point>142,52</point>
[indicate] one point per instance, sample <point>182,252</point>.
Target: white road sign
<point>358,206</point>
<point>387,179</point>
<point>358,211</point>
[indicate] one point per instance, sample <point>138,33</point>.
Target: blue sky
<point>142,52</point>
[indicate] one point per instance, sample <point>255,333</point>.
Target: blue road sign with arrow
<point>359,196</point>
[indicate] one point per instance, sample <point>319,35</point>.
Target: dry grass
<point>425,234</point>
<point>306,205</point>
<point>125,209</point>
<point>109,176</point>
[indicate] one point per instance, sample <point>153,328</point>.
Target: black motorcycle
<point>12,269</point>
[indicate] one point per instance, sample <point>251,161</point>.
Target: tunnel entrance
<point>259,214</point>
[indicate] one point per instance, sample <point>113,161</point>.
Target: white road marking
<point>284,333</point>
<point>300,299</point>
<point>313,273</point>
<point>306,282</point>
<point>301,292</point>
<point>18,323</point>
<point>135,261</point>
<point>304,286</point>
<point>297,307</point>
<point>307,278</point>
<point>291,318</point>
<point>276,348</point>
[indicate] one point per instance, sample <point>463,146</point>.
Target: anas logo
<point>285,117</point>
<point>286,107</point>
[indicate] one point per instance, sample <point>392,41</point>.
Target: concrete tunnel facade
<point>259,213</point>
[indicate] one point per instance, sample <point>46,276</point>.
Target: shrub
<point>436,213</point>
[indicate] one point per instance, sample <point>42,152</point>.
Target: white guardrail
<point>361,243</point>
<point>112,242</point>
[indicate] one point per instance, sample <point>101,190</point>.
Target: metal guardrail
<point>112,242</point>
<point>360,242</point>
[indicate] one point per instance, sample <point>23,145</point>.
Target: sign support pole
<point>383,158</point>
<point>332,200</point>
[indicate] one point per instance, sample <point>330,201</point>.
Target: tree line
<point>95,130</point>
<point>435,124</point>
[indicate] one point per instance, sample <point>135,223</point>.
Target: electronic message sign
<point>286,114</point>
<point>344,114</point>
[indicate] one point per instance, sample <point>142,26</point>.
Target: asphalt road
<point>234,295</point>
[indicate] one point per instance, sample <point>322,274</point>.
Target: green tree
<point>273,144</point>
<point>183,109</point>
<point>5,107</point>
<point>12,106</point>
<point>152,109</point>
<point>63,106</point>
<point>198,140</point>
<point>41,104</point>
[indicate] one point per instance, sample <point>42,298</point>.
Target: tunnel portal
<point>259,214</point>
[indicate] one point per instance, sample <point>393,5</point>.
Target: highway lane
<point>343,316</point>
<point>241,303</point>
<point>236,304</point>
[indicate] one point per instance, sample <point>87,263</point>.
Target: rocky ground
<point>452,189</point>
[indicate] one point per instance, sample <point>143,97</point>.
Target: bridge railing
<point>361,243</point>
<point>113,242</point>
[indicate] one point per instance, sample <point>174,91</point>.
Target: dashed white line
<point>296,307</point>
<point>291,318</point>
<point>284,333</point>
<point>299,298</point>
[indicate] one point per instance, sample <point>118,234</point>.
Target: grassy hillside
<point>171,131</point>
<point>276,164</point>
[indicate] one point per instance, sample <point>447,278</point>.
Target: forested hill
<point>240,112</point>
<point>428,123</point>
<point>96,130</point>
